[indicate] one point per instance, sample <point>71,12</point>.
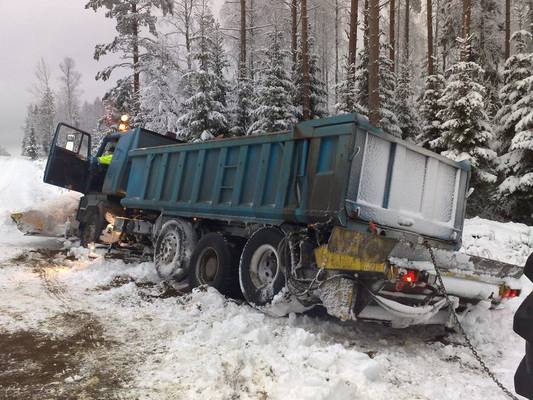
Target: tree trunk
<point>188,18</point>
<point>352,39</point>
<point>251,58</point>
<point>429,11</point>
<point>406,31</point>
<point>336,50</point>
<point>507,29</point>
<point>365,23</point>
<point>242,61</point>
<point>467,17</point>
<point>397,41</point>
<point>294,31</point>
<point>392,38</point>
<point>373,62</point>
<point>305,61</point>
<point>135,50</point>
<point>436,35</point>
<point>530,14</point>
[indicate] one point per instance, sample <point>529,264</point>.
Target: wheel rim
<point>168,253</point>
<point>264,266</point>
<point>208,264</point>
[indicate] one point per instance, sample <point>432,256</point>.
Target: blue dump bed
<point>336,168</point>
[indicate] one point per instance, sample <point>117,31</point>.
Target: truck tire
<point>173,249</point>
<point>91,227</point>
<point>260,270</point>
<point>214,262</point>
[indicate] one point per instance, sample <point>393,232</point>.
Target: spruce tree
<point>346,90</point>
<point>204,113</point>
<point>243,106</point>
<point>32,149</point>
<point>29,141</point>
<point>516,130</point>
<point>274,108</point>
<point>466,132</point>
<point>46,121</point>
<point>408,120</point>
<point>429,110</point>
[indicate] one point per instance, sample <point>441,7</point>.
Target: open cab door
<point>69,159</point>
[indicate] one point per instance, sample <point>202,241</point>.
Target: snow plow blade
<point>54,218</point>
<point>455,263</point>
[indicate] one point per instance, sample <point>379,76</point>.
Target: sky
<point>51,29</point>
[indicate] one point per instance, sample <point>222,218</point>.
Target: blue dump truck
<point>334,213</point>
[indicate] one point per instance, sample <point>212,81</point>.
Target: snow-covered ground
<point>71,327</point>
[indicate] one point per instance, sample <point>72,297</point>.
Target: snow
<point>202,345</point>
<point>21,187</point>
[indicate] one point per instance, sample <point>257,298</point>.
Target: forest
<point>454,76</point>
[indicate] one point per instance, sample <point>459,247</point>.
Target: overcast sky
<point>52,29</point>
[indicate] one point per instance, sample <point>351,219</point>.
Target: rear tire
<point>173,249</point>
<point>261,274</point>
<point>214,262</point>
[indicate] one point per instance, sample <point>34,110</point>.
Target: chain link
<point>459,326</point>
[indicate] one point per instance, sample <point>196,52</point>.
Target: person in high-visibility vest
<point>107,157</point>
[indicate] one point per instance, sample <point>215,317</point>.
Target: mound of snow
<point>508,242</point>
<point>22,188</point>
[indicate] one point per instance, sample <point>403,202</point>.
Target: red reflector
<point>409,277</point>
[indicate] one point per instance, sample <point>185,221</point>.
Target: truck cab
<point>71,165</point>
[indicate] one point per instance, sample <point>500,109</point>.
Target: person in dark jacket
<point>523,325</point>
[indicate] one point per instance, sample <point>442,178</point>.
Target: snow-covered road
<point>71,327</point>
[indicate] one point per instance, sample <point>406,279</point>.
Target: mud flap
<point>338,296</point>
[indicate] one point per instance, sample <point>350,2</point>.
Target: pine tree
<point>131,17</point>
<point>429,110</point>
<point>274,109</point>
<point>317,88</point>
<point>516,130</point>
<point>205,116</point>
<point>466,132</point>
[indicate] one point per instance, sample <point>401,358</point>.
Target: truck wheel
<point>215,263</point>
<point>92,226</point>
<point>260,270</point>
<point>173,249</point>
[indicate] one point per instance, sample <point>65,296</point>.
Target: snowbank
<point>22,188</point>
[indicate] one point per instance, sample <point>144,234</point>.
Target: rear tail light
<point>409,276</point>
<point>508,293</point>
<point>406,278</point>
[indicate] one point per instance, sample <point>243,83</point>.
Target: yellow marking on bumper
<point>329,260</point>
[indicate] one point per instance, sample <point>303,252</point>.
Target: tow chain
<point>459,326</point>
